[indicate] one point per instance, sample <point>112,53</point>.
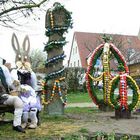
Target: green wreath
<point>132,84</point>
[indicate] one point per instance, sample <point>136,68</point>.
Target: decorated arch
<point>104,52</point>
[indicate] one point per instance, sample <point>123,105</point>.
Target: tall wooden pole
<point>58,21</point>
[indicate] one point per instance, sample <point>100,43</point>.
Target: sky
<point>96,16</point>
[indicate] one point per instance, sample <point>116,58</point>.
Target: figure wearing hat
<point>7,85</point>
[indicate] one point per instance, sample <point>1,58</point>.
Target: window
<point>74,64</point>
<point>76,49</point>
<point>78,63</point>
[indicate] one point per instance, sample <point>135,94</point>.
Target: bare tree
<point>13,10</point>
<point>38,58</point>
<point>133,56</point>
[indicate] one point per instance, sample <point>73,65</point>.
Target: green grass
<point>49,124</point>
<point>79,110</point>
<point>79,97</point>
<point>82,97</point>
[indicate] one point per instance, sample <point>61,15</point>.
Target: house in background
<point>84,43</point>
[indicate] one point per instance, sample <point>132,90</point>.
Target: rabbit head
<point>22,59</point>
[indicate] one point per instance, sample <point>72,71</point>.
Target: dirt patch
<point>106,122</point>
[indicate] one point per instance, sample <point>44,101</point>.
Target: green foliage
<point>99,135</point>
<point>83,130</point>
<point>72,79</point>
<point>38,58</point>
<point>54,118</point>
<point>106,38</point>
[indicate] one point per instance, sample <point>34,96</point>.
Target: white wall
<point>75,57</point>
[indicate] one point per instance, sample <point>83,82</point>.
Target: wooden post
<point>122,114</point>
<point>57,22</point>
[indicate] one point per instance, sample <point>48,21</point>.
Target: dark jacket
<point>3,87</point>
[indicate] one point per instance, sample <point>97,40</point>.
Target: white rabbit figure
<point>22,61</point>
<point>22,58</point>
<point>24,73</point>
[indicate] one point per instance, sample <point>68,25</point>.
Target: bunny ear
<point>15,43</point>
<point>26,44</point>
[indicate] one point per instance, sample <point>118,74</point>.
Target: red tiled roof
<point>86,41</point>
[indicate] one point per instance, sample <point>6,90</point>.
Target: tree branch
<point>28,6</point>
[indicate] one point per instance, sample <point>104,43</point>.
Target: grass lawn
<point>51,126</point>
<point>82,97</point>
<point>78,97</point>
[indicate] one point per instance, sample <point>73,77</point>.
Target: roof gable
<point>87,42</point>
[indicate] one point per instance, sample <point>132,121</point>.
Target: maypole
<point>58,21</point>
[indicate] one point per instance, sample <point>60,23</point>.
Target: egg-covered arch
<point>90,71</point>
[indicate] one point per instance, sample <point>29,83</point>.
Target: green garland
<point>97,55</point>
<point>54,44</point>
<point>54,27</point>
<point>132,85</point>
<point>113,87</point>
<point>135,98</point>
<point>59,28</point>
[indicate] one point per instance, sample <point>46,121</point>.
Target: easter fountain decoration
<point>121,81</point>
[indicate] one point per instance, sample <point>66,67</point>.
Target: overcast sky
<point>97,16</point>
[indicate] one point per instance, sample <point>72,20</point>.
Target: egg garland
<point>90,71</point>
<point>122,102</point>
<point>106,69</point>
<point>55,59</point>
<point>56,90</point>
<point>53,27</point>
<point>51,19</point>
<point>55,74</point>
<point>58,21</point>
<point>54,44</point>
